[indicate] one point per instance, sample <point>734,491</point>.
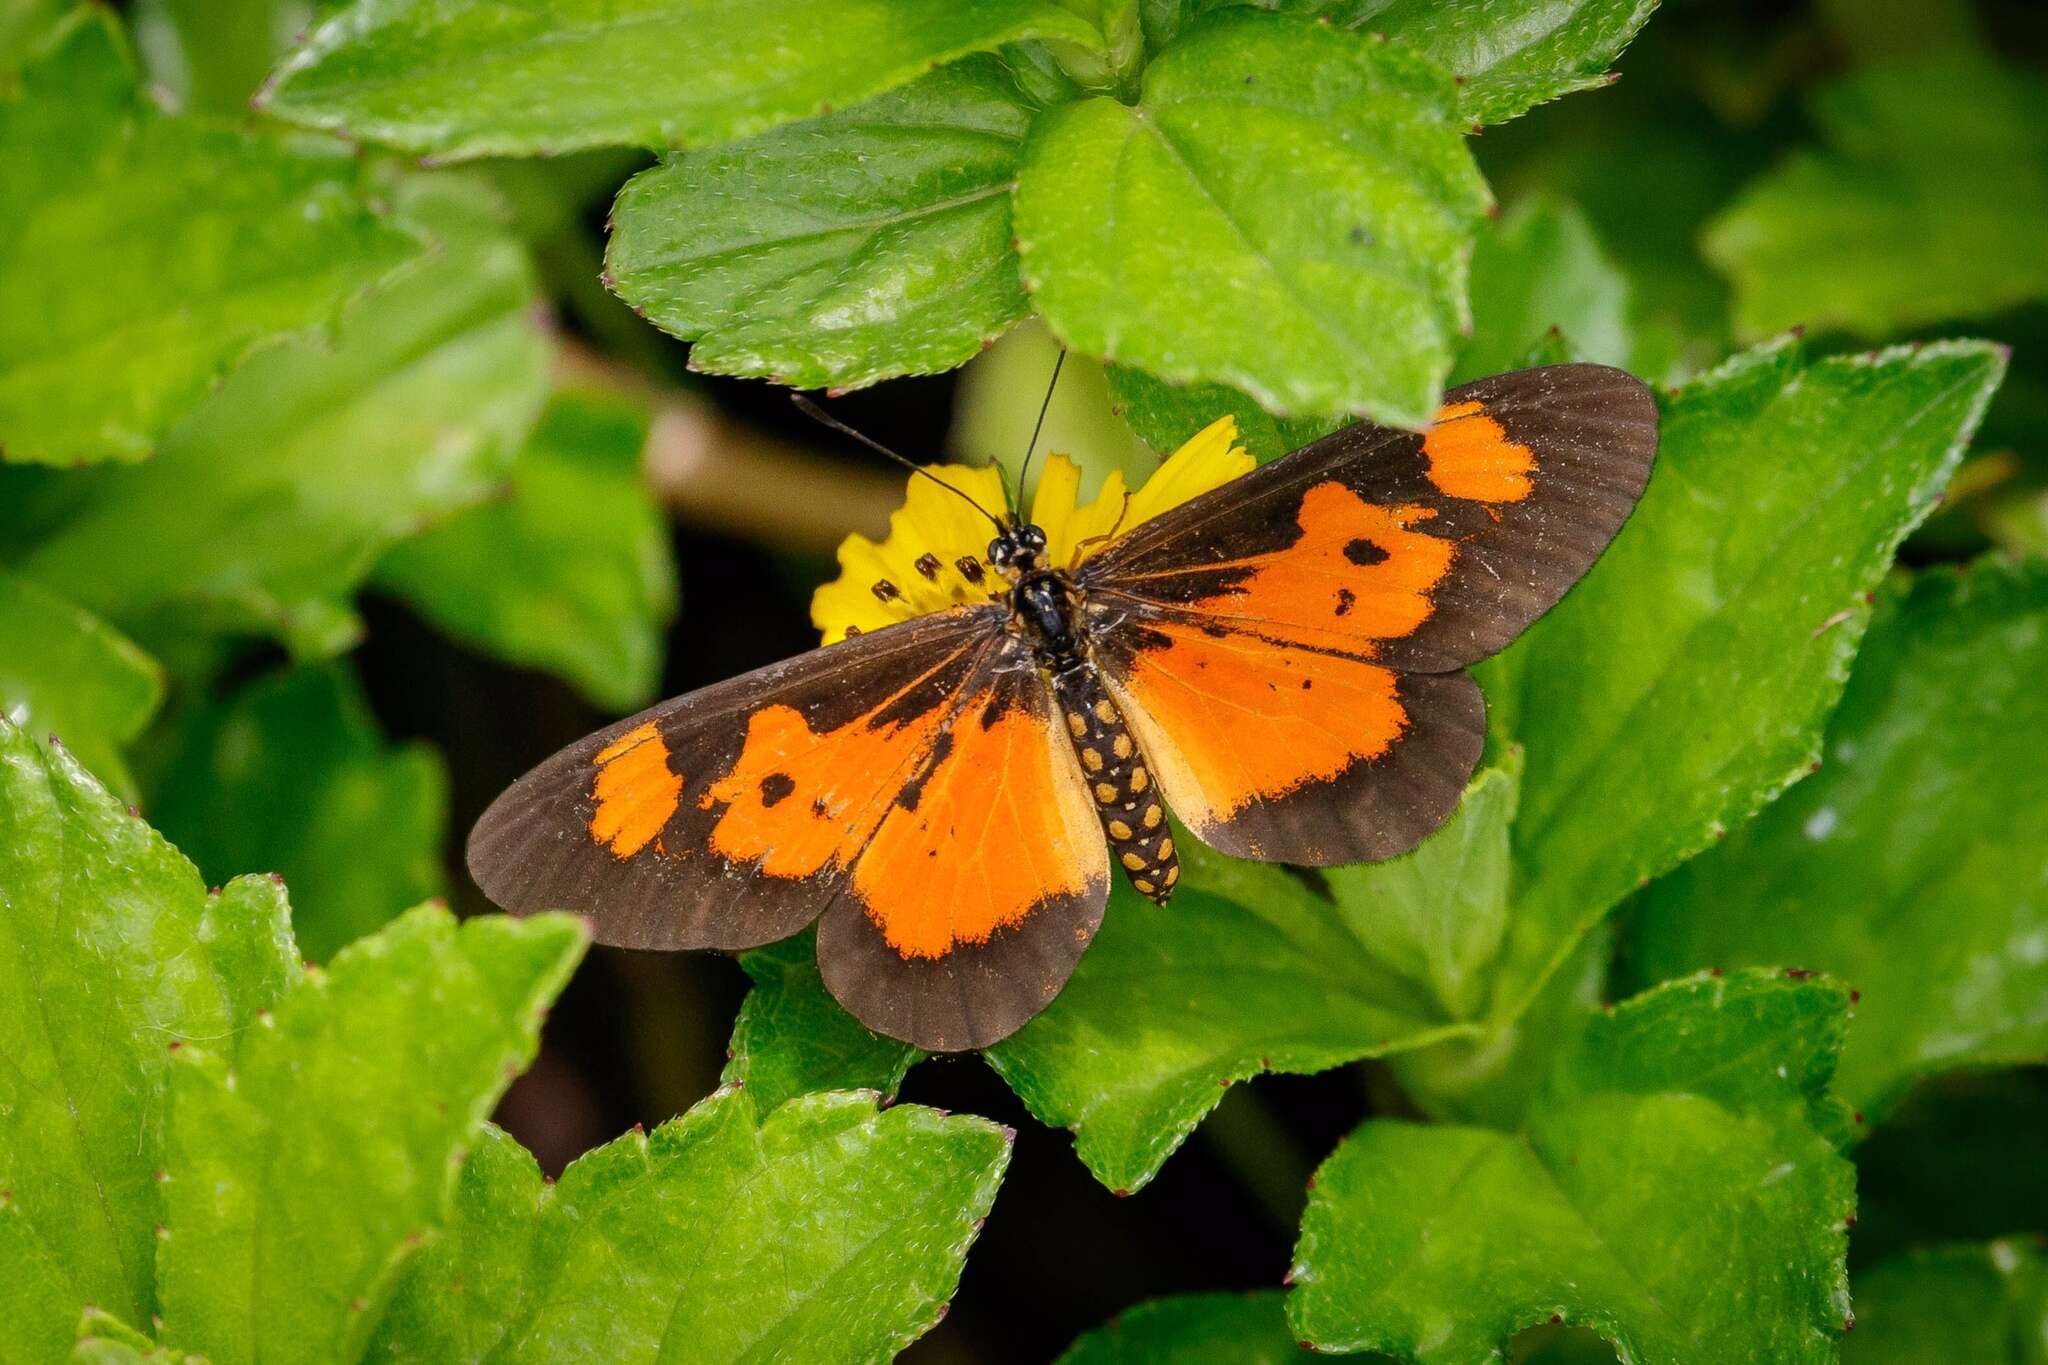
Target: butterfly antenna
<point>1024,471</point>
<point>818,414</point>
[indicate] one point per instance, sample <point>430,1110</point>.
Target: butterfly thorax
<point>1044,607</point>
<point>1046,611</point>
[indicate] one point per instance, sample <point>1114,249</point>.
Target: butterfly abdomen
<point>1133,816</point>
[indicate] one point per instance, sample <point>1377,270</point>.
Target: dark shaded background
<point>1710,96</point>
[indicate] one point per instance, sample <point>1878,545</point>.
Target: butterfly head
<point>1017,551</point>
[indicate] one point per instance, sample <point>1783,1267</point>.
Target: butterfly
<point>1279,662</point>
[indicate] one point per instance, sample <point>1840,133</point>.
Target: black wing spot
<point>928,565</point>
<point>912,791</point>
<point>820,809</point>
<point>775,788</point>
<point>1345,597</point>
<point>1365,553</point>
<point>990,714</point>
<point>1146,639</point>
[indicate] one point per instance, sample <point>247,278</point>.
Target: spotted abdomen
<point>1133,818</point>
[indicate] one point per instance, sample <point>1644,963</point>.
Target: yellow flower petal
<point>1055,509</point>
<point>931,522</point>
<point>1209,459</point>
<point>939,530</point>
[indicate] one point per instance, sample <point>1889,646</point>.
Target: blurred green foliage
<point>257,363</point>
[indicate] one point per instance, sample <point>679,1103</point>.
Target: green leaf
<point>1437,916</point>
<point>291,775</point>
<point>142,257</point>
<point>1914,864</point>
<point>792,1038</point>
<point>1509,55</point>
<point>828,1230</point>
<point>112,949</point>
<point>1197,1329</point>
<point>570,570</point>
<point>1164,415</point>
<point>1986,1303</point>
<point>1648,173</point>
<point>1537,272</point>
<point>1925,206</point>
<point>25,26</point>
<point>460,1298</point>
<point>266,508</point>
<point>1287,210</point>
<point>1168,1008</point>
<point>211,55</point>
<point>1684,682</point>
<point>874,242</point>
<point>1671,1190</point>
<point>470,78</point>
<point>313,1154</point>
<point>63,671</point>
<point>1491,1079</point>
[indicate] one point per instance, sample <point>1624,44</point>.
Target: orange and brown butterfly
<point>1001,718</point>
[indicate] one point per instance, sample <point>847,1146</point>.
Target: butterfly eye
<point>1033,538</point>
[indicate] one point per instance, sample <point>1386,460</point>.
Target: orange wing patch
<point>1470,456</point>
<point>635,793</point>
<point>797,800</point>
<point>1232,719</point>
<point>1357,572</point>
<point>999,825</point>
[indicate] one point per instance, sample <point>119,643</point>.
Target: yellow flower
<point>936,552</point>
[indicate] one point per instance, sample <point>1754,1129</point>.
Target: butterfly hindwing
<point>974,900</point>
<point>1288,647</point>
<point>1277,752</point>
<point>907,785</point>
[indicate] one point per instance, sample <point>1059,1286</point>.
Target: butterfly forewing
<point>1287,646</point>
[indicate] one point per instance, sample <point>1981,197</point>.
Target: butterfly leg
<point>1133,816</point>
